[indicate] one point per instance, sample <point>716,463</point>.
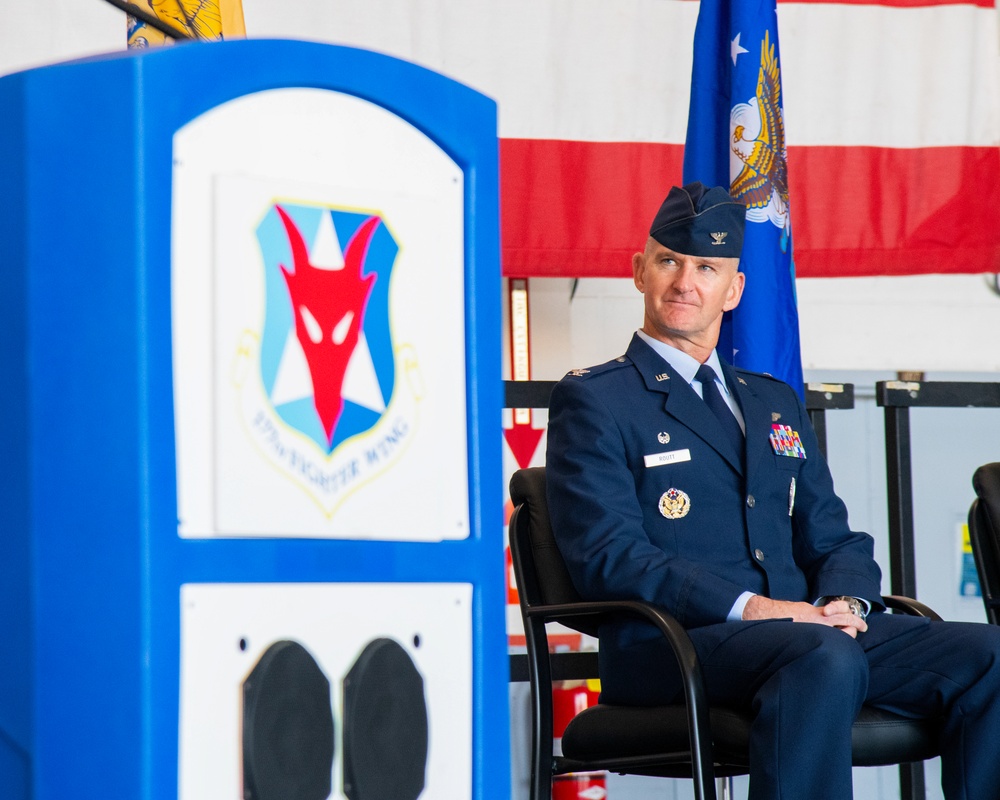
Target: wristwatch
<point>858,608</point>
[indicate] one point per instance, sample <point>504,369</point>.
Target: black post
<point>822,397</point>
<point>817,416</point>
<point>902,558</point>
<point>899,475</point>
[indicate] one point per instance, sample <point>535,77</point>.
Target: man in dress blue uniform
<point>676,479</point>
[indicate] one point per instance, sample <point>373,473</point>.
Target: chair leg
<point>724,788</point>
<point>911,781</point>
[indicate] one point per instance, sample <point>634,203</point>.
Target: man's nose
<point>684,279</point>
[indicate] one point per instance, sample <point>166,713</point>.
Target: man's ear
<point>638,270</point>
<point>735,292</point>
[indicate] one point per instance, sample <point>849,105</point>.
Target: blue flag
<point>736,139</point>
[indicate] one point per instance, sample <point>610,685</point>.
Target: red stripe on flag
<point>893,211</point>
<point>581,209</point>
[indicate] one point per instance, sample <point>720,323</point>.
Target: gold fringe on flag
<point>208,20</point>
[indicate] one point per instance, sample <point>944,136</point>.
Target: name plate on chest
<point>671,457</point>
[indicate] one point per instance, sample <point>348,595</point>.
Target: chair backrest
<point>541,571</point>
<point>984,532</point>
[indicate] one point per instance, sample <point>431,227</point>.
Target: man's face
<point>685,296</point>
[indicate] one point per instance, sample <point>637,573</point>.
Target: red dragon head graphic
<point>329,308</point>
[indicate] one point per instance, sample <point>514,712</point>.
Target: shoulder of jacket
<point>754,375</point>
<point>589,373</point>
<point>767,384</point>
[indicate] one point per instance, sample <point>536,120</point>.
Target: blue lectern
<point>252,506</point>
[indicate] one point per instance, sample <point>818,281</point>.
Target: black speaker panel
<point>287,727</point>
<point>385,725</point>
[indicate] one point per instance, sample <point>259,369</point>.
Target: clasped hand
<point>836,614</point>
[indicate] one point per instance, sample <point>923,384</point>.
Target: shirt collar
<point>683,364</point>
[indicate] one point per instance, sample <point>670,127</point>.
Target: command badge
<point>663,437</point>
<point>674,504</point>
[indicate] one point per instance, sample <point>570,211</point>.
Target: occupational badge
<point>786,442</point>
<point>775,416</point>
<point>663,437</point>
<point>674,504</point>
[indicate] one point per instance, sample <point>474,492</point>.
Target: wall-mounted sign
<point>319,331</point>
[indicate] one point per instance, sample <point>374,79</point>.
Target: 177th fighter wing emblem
<point>763,179</point>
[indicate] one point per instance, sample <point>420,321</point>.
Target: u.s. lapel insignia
<point>662,377</point>
<point>786,442</point>
<point>775,416</point>
<point>741,380</point>
<point>578,373</point>
<point>663,437</point>
<point>674,504</point>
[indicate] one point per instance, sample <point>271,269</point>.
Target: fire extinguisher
<point>568,700</point>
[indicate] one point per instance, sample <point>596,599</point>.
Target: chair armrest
<point>909,605</point>
<point>678,639</point>
<point>696,705</point>
<point>671,629</point>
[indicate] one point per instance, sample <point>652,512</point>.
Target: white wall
<point>932,323</point>
<point>32,35</point>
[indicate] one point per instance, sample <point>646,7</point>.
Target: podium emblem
<point>331,410</point>
<point>326,351</point>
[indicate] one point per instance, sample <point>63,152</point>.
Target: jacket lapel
<point>682,402</point>
<point>756,417</point>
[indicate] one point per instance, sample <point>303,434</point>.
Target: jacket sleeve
<point>834,559</point>
<point>598,523</point>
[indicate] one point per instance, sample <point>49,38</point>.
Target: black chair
<point>689,740</point>
<point>984,533</point>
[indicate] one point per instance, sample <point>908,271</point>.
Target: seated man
<point>676,479</point>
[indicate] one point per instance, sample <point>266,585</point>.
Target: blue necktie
<point>714,400</point>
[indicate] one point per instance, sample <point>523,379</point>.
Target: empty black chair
<point>984,533</point>
<point>689,740</point>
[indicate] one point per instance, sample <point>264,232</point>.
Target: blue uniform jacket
<point>625,434</point>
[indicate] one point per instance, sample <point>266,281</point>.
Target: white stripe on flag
<point>890,77</point>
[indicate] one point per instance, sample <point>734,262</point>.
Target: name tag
<point>673,457</point>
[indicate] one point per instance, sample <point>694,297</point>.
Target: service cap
<point>700,221</point>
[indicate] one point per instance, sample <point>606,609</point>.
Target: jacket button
<point>758,554</point>
<point>751,502</point>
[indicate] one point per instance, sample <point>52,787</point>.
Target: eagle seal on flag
<point>758,144</point>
